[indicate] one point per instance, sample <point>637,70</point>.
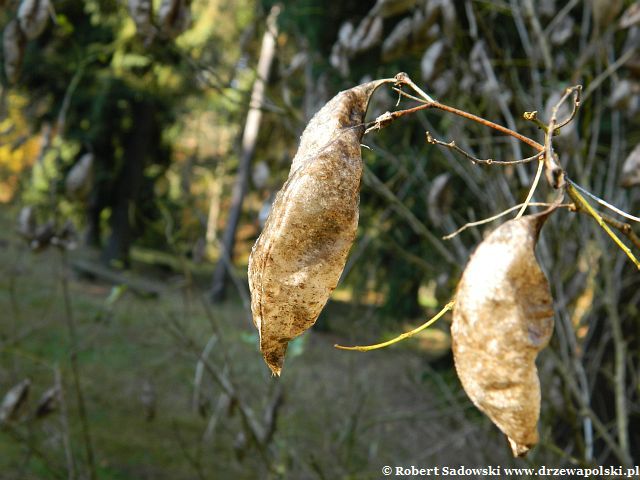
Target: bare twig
<point>75,369</point>
<point>495,217</point>
<point>619,377</point>
<point>64,423</point>
<point>402,93</point>
<point>577,93</point>
<point>403,79</point>
<point>489,161</point>
<point>416,225</point>
<point>532,190</point>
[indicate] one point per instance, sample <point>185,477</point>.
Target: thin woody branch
<point>479,161</point>
<point>554,172</point>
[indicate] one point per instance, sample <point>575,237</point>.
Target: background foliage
<point>163,119</point>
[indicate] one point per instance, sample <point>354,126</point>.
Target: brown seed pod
<point>49,402</point>
<point>174,16</point>
<point>140,11</point>
<point>502,318</point>
<point>297,261</point>
<point>13,44</point>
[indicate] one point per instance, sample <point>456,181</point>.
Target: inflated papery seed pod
<point>27,223</point>
<point>297,261</point>
<point>140,11</point>
<point>48,402</point>
<point>631,169</point>
<point>13,44</point>
<point>503,316</point>
<point>174,16</point>
<point>79,180</point>
<point>14,401</point>
<point>33,16</point>
<point>440,198</point>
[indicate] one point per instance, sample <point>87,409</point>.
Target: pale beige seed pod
<point>14,402</point>
<point>140,11</point>
<point>631,169</point>
<point>79,180</point>
<point>503,316</point>
<point>297,261</point>
<point>33,16</point>
<point>13,44</point>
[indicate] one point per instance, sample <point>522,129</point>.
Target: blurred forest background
<point>140,146</point>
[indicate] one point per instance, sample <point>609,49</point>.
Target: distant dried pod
<point>48,402</point>
<point>502,318</point>
<point>33,16</point>
<point>440,198</point>
<point>13,44</point>
<point>297,261</point>
<point>174,16</point>
<point>605,12</point>
<point>431,62</point>
<point>631,169</point>
<point>27,223</point>
<point>367,35</point>
<point>14,402</point>
<point>79,180</point>
<point>631,16</point>
<point>140,11</point>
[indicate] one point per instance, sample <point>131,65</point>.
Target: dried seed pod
<point>13,44</point>
<point>33,16</point>
<point>502,318</point>
<point>80,178</point>
<point>440,198</point>
<point>140,11</point>
<point>297,261</point>
<point>174,16</point>
<point>631,169</point>
<point>27,223</point>
<point>431,62</point>
<point>48,402</point>
<point>14,401</point>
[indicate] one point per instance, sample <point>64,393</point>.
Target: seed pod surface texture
<point>297,261</point>
<point>502,318</point>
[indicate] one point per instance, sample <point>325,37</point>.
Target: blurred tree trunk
<point>249,139</point>
<point>128,184</point>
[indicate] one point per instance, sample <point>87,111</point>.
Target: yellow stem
<point>399,338</point>
<point>575,195</point>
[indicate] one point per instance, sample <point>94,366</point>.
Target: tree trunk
<point>128,185</point>
<point>249,139</point>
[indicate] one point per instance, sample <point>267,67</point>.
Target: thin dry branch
<point>501,214</point>
<point>477,161</point>
<point>532,190</point>
<point>577,91</point>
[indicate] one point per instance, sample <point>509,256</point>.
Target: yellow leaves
<point>18,148</point>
